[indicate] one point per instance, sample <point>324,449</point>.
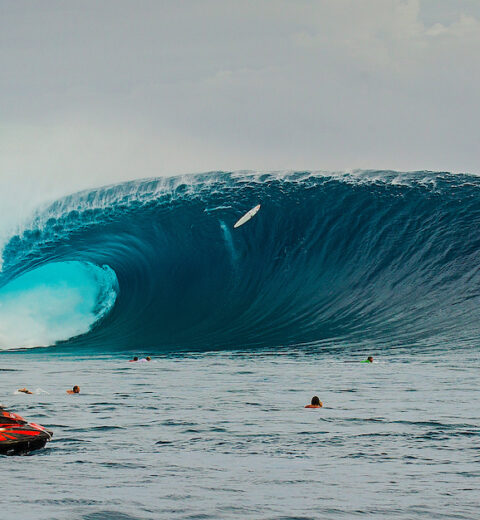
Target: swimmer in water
<point>368,360</point>
<point>315,403</point>
<point>148,358</point>
<point>24,391</point>
<point>133,360</point>
<point>74,390</point>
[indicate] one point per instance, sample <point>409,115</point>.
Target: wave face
<point>380,257</point>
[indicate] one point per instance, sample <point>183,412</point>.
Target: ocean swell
<point>362,257</point>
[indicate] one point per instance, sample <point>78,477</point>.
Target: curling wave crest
<point>380,257</point>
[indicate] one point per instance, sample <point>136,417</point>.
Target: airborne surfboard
<point>248,215</point>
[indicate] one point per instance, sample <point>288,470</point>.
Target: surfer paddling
<point>74,390</point>
<point>315,403</point>
<point>368,360</point>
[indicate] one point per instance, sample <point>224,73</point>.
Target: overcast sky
<point>94,92</point>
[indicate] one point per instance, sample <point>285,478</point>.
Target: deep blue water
<point>378,257</point>
<point>244,326</point>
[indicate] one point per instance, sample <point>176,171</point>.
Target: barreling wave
<point>156,264</point>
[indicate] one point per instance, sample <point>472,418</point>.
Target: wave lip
<point>365,257</point>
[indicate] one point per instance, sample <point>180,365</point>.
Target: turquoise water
<point>225,435</point>
<point>369,257</point>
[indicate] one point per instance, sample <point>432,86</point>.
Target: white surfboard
<point>248,215</point>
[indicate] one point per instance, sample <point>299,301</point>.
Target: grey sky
<point>98,91</point>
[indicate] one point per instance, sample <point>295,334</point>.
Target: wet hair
<point>135,358</point>
<point>315,401</point>
<point>148,358</point>
<point>76,389</point>
<point>370,358</point>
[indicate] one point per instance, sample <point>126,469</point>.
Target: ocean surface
<point>225,435</point>
<point>244,326</point>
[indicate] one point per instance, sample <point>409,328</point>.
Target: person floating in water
<point>368,360</point>
<point>315,403</point>
<point>74,390</point>
<point>24,391</point>
<point>141,360</point>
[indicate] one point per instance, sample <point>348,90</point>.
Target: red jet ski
<point>17,436</point>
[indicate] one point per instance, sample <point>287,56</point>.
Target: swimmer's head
<point>148,358</point>
<point>76,389</point>
<point>135,358</point>
<point>315,401</point>
<point>370,359</point>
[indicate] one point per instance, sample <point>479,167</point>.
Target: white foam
<point>54,303</point>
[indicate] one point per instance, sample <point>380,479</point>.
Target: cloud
<point>94,93</point>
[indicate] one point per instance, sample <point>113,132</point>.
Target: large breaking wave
<point>382,257</point>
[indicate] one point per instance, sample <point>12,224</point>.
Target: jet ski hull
<point>18,437</point>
